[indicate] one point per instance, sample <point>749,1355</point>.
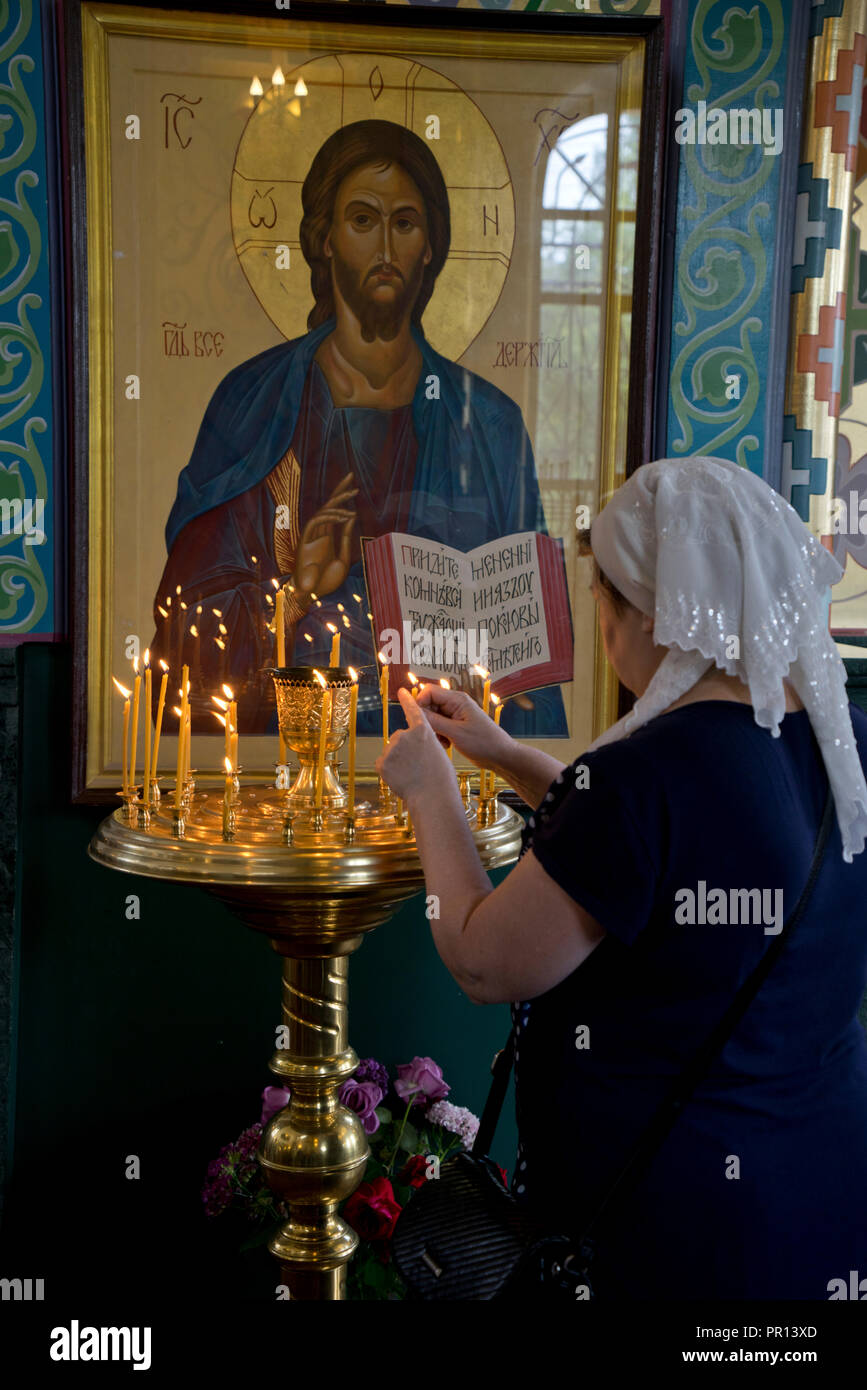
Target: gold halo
<point>277,148</point>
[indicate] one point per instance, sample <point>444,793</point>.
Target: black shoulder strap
<point>684,1085</point>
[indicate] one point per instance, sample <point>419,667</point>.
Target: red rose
<point>372,1210</point>
<point>414,1171</point>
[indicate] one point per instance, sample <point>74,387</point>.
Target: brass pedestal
<point>314,897</point>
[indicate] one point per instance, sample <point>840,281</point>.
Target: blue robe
<point>474,480</point>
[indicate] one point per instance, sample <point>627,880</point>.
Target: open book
<point>504,606</point>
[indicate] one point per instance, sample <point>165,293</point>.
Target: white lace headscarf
<point>711,553</point>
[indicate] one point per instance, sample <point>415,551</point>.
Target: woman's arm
<point>454,716</point>
<point>510,942</point>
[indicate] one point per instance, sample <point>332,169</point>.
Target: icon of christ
<point>358,428</point>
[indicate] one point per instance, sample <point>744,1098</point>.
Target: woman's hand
<point>413,761</point>
<point>455,718</point>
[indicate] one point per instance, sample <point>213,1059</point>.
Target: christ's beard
<point>382,321</point>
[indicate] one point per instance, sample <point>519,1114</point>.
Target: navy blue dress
<point>760,1190</point>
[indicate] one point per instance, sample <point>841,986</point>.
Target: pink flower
<point>420,1081</point>
<point>273,1099</point>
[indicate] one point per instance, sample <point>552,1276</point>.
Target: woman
<point>712,600</point>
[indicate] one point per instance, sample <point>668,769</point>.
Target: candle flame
<point>331,627</point>
<point>381,656</point>
<point>168,600</point>
<point>370,616</point>
<point>307,637</point>
<point>300,88</point>
<point>135,664</point>
<point>220,643</point>
<point>413,677</point>
<point>176,710</point>
<point>221,717</point>
<point>268,599</point>
<point>312,595</point>
<point>256,88</point>
<point>277,78</point>
<point>340,608</point>
<point>480,671</point>
<point>495,698</point>
<point>165,665</point>
<point>194,631</point>
<point>228,692</point>
<point>218,612</point>
<point>162,611</point>
<point>255,559</point>
<point>122,688</point>
<point>352,672</point>
<point>222,628</point>
<point>199,609</point>
<point>446,685</point>
<point>177,588</point>
<point>227,764</point>
<point>321,679</point>
<point>222,703</point>
<point>276,583</point>
<point>147,656</point>
<point>183,605</point>
<point>357,597</point>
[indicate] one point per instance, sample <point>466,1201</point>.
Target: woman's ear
<point>647,623</point>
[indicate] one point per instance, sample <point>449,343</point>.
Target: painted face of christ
<point>378,245</point>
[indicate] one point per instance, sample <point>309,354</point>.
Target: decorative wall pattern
<point>849,482</point>
<point>26,502</point>
<point>736,62</point>
<point>832,114</point>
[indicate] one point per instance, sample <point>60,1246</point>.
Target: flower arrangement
<point>412,1129</point>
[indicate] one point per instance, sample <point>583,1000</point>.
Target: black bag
<point>464,1236</point>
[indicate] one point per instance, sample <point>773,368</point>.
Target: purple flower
<point>362,1097</point>
<point>420,1081</point>
<point>273,1099</point>
<point>369,1069</point>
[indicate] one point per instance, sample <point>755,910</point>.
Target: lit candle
<point>498,711</point>
<point>147,727</point>
<point>228,791</point>
<point>281,627</point>
<point>133,736</point>
<point>188,719</point>
<point>160,707</point>
<point>486,694</point>
<point>383,695</point>
<point>447,685</point>
<point>179,774</point>
<point>233,744</point>
<point>414,680</point>
<point>353,713</point>
<point>224,706</point>
<point>323,737</point>
<point>125,693</point>
<point>486,705</point>
<point>334,659</point>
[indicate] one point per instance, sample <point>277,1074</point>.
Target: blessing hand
<point>413,759</point>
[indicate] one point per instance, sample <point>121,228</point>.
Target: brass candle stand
<point>314,884</point>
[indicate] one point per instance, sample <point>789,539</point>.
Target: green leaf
<point>409,1138</point>
<point>383,1114</point>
